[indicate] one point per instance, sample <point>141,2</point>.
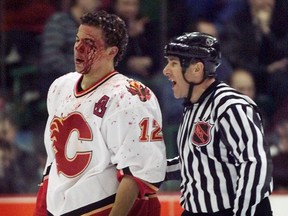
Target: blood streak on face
<point>88,49</point>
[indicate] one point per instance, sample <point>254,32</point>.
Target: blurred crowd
<point>38,45</point>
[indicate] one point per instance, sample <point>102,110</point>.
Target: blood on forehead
<point>92,34</point>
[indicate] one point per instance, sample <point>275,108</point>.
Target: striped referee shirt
<point>223,158</point>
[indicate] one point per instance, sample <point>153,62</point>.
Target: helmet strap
<point>190,91</point>
<point>191,84</point>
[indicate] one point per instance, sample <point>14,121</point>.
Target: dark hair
<point>113,28</point>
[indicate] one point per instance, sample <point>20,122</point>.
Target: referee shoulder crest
<point>201,133</point>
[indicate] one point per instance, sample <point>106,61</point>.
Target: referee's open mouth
<point>173,83</point>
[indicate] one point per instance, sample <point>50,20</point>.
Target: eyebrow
<point>172,58</point>
<point>91,38</point>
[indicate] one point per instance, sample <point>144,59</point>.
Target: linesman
<point>224,162</point>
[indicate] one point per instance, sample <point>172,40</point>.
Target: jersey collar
<point>207,92</point>
<point>98,83</point>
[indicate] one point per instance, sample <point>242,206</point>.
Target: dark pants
<point>263,209</point>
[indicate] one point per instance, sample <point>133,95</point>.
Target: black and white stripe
<point>234,169</point>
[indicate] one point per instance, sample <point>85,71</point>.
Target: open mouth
<point>173,83</point>
<point>79,61</point>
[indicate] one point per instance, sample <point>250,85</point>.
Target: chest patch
<point>201,133</point>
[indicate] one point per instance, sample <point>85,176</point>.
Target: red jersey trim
<point>100,82</point>
<point>145,188</point>
<point>99,208</point>
<point>104,211</point>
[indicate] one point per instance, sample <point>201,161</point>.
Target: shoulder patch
<point>136,88</point>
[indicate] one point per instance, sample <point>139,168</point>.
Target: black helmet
<point>196,46</point>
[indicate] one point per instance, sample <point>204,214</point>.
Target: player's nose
<point>79,47</point>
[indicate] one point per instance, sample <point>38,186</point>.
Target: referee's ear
<point>195,72</point>
<point>198,71</point>
<point>199,67</point>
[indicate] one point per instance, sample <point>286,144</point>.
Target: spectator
<point>177,17</point>
<point>4,100</point>
<point>7,171</point>
<point>242,80</point>
<point>257,38</point>
<point>217,11</point>
<point>58,41</point>
<point>24,22</point>
<point>21,32</point>
<point>141,60</point>
<point>280,157</point>
<point>207,26</point>
<point>21,161</point>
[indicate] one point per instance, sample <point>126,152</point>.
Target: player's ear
<point>112,51</point>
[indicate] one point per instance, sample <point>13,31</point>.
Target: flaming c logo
<point>61,130</point>
<point>136,88</point>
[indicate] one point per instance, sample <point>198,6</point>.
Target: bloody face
<point>89,49</point>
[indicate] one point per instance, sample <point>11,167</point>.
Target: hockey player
<point>103,137</point>
<point>224,162</point>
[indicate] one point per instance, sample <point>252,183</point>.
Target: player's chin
<point>81,70</point>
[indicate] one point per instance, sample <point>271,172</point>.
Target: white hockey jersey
<point>115,124</point>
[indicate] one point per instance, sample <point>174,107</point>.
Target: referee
<point>224,162</point>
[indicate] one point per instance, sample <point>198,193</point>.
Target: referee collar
<point>187,103</point>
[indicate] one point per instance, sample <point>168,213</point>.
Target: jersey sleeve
<point>242,129</point>
<point>173,171</point>
<point>134,137</point>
